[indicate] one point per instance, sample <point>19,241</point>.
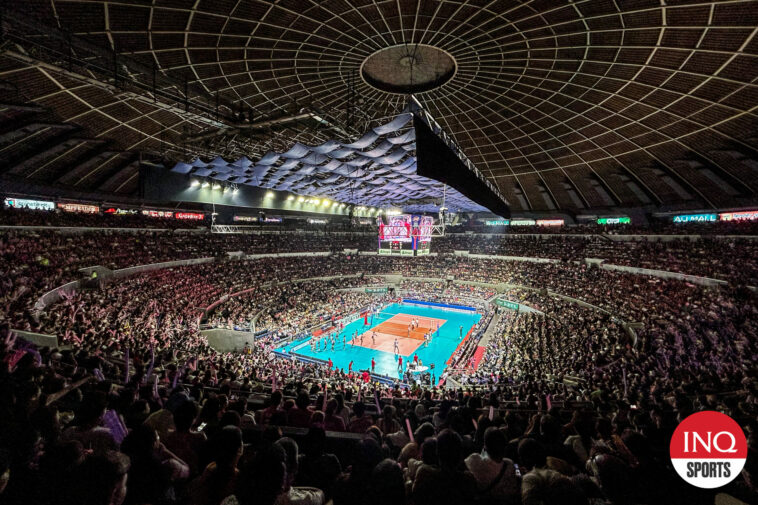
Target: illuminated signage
<point>272,220</point>
<point>750,215</point>
<point>192,216</point>
<point>115,211</point>
<point>398,229</point>
<point>498,222</point>
<point>157,213</point>
<point>317,221</point>
<point>79,207</point>
<point>364,221</point>
<point>423,227</point>
<point>246,219</point>
<point>20,203</point>
<point>507,304</point>
<point>698,218</point>
<point>523,222</point>
<point>550,222</point>
<point>614,220</point>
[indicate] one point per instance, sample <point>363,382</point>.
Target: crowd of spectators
<point>136,408</point>
<point>10,216</point>
<point>302,306</point>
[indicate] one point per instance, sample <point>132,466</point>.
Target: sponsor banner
<point>550,222</point>
<point>157,213</point>
<point>376,290</point>
<point>246,219</point>
<point>696,218</point>
<point>454,308</point>
<point>708,449</point>
<point>21,203</point>
<point>317,221</point>
<point>614,220</point>
<point>79,207</point>
<point>750,215</point>
<point>497,222</point>
<point>523,222</point>
<point>272,220</point>
<point>507,304</point>
<point>115,211</point>
<point>191,216</point>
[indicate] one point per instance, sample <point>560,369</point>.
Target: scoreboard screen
<point>406,235</point>
<point>395,247</point>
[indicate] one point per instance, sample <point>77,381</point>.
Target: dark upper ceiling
<point>568,105</point>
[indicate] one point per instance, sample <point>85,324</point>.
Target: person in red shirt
<point>350,367</point>
<point>330,363</point>
<point>400,363</point>
<point>373,364</point>
<point>415,358</point>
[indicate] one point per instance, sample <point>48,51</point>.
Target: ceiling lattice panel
<point>591,103</point>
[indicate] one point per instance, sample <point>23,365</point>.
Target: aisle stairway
<point>482,347</point>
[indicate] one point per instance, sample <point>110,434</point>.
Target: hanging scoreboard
<point>405,235</point>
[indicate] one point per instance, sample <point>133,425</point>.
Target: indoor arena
<point>378,252</point>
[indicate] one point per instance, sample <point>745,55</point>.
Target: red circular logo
<point>708,449</point>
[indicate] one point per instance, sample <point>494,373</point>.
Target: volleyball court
<point>409,330</point>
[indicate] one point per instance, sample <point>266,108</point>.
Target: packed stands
<point>132,347</point>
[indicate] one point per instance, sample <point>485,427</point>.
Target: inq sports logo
<point>708,449</point>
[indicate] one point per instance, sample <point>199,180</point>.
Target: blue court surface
<point>438,352</point>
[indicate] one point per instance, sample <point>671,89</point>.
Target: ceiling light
<point>300,199</point>
<point>195,182</point>
<point>290,198</point>
<point>206,184</point>
<point>269,194</point>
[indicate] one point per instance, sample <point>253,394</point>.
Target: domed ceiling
<point>564,105</point>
